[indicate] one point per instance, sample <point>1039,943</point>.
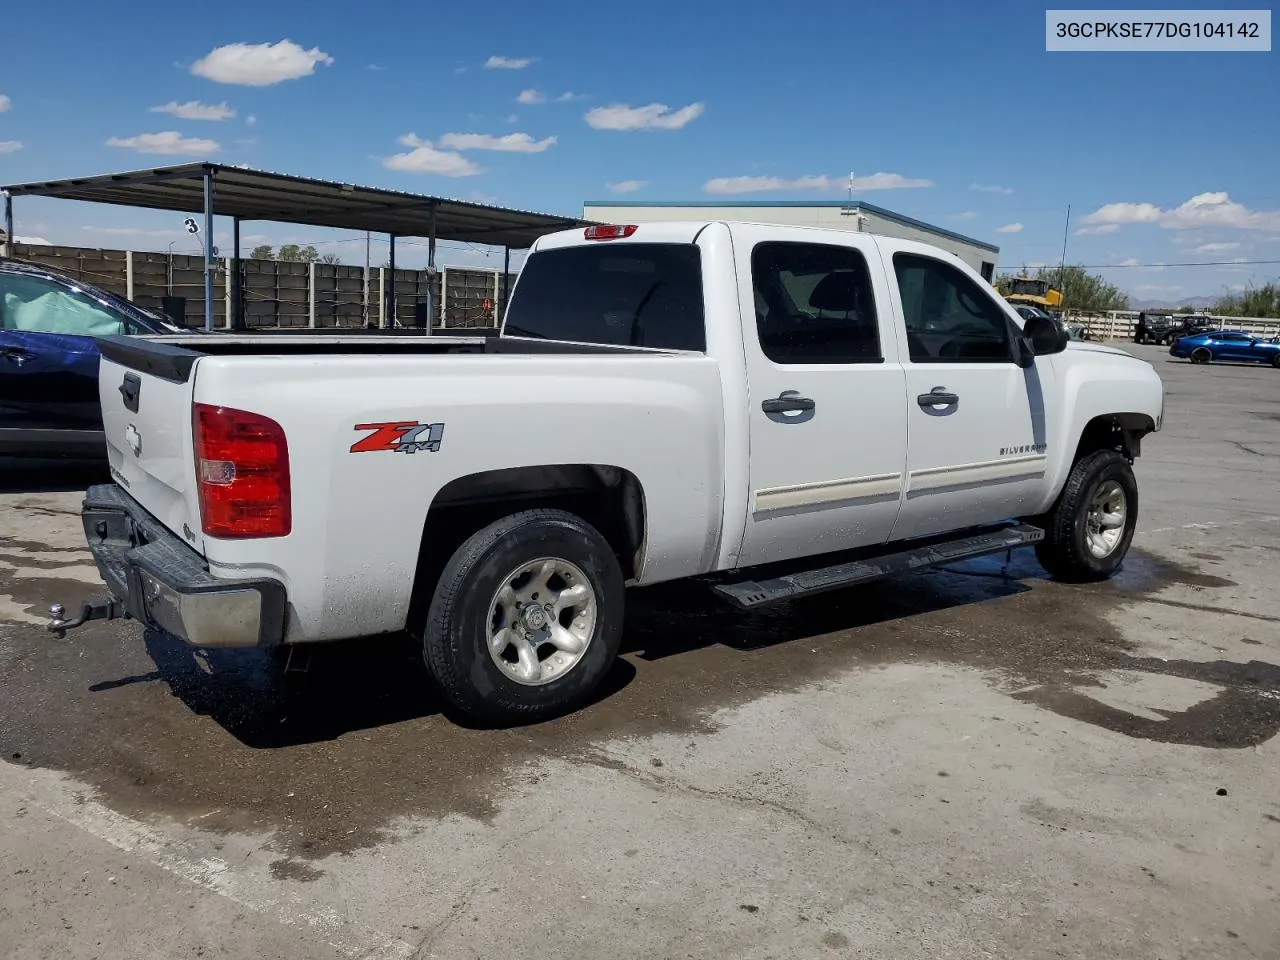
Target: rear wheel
<point>1201,355</point>
<point>1275,360</point>
<point>526,618</point>
<point>1090,528</point>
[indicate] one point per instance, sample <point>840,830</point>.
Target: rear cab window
<point>623,294</point>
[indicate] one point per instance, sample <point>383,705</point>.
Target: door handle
<point>787,403</point>
<point>938,397</point>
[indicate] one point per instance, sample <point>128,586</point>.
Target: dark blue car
<point>49,359</point>
<point>1227,345</point>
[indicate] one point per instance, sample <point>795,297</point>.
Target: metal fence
<point>279,293</point>
<point>1120,324</point>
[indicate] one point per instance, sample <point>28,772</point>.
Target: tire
<point>1065,551</point>
<point>468,606</point>
<point>1275,360</point>
<point>1201,355</point>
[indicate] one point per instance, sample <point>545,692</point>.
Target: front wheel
<point>526,618</point>
<point>1090,528</point>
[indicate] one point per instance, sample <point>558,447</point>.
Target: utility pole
<point>1062,268</point>
<point>366,278</point>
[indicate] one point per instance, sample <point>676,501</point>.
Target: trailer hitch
<point>108,609</point>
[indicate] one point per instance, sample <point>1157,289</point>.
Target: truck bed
<point>172,356</point>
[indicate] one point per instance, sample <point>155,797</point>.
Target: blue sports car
<point>1227,345</point>
<point>49,323</point>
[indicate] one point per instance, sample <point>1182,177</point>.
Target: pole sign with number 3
<point>191,225</point>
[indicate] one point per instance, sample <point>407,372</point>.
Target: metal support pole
<point>506,286</point>
<point>235,319</point>
<point>128,274</point>
<point>208,251</point>
<point>311,294</point>
<point>8,225</point>
<point>431,269</point>
<point>390,319</point>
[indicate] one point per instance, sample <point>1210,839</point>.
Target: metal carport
<point>245,194</point>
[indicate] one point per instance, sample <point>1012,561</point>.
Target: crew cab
<point>777,410</point>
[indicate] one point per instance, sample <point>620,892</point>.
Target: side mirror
<point>1045,336</point>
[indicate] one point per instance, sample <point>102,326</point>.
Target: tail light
<point>609,231</point>
<point>242,473</point>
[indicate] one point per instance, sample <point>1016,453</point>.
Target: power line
<point>1195,263</point>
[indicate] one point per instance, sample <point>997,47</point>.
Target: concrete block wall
<point>281,294</point>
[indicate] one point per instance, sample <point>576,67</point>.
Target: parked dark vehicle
<point>1193,326</point>
<point>1155,328</point>
<point>49,323</point>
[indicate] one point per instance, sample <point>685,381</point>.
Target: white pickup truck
<point>780,410</point>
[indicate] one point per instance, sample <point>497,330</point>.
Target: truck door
<point>827,423</point>
<point>975,419</point>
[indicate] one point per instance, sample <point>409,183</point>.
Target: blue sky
<point>1165,157</point>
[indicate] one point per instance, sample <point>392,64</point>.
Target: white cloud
<point>424,158</point>
<point>569,96</point>
<point>510,143</point>
<point>375,68</point>
<point>511,118</point>
<point>990,188</point>
<point>874,181</point>
<point>967,215</point>
<point>250,120</point>
<point>531,96</point>
<point>1009,228</point>
<point>757,184</point>
<point>1202,210</point>
<point>195,110</point>
<point>1215,247</point>
<point>259,64</point>
<point>507,63</point>
<point>5,103</point>
<point>170,143</point>
<point>654,116</point>
<point>10,146</point>
<point>1156,288</point>
<point>128,231</point>
<point>1129,262</point>
<point>626,186</point>
<point>1118,213</point>
<point>1099,229</point>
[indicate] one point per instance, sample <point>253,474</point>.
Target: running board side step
<point>757,593</point>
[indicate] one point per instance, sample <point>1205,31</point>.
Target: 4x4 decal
<point>403,437</point>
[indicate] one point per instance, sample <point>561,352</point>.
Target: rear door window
<point>814,304</point>
<point>625,294</point>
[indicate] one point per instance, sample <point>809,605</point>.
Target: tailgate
<point>146,417</point>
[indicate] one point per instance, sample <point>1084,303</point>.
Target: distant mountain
<point>1195,303</point>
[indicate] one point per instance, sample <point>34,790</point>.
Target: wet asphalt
<point>338,773</point>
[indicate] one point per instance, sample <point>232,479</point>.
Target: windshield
<point>629,294</point>
<point>1035,288</point>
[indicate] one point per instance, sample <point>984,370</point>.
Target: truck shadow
<point>21,475</point>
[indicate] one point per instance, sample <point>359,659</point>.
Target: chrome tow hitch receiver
<point>108,609</point>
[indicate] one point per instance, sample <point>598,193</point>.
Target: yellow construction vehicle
<point>1028,290</point>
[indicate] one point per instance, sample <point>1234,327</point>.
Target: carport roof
<point>263,195</point>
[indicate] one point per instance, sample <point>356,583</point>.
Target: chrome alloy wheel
<point>541,621</point>
<point>1104,524</point>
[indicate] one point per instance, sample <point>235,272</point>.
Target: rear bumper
<point>165,584</point>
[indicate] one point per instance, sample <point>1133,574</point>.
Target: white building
<point>840,214</point>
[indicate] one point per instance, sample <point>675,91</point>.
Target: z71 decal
<point>407,437</point>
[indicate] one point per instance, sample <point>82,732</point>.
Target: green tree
<point>1263,301</point>
<point>1082,291</point>
<point>262,252</point>
<point>294,253</point>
